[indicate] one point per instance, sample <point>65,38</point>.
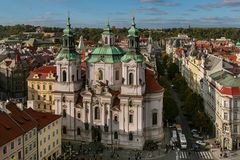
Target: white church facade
<point>121,102</point>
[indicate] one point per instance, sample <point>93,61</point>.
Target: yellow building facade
<point>40,86</point>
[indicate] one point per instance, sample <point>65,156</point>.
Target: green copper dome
<point>107,54</point>
<point>68,50</point>
<point>133,31</point>
<point>138,57</point>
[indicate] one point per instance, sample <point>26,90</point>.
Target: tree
<point>172,70</point>
<point>170,109</point>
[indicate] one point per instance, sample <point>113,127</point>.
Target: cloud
<point>162,2</point>
<point>152,11</point>
<point>220,4</point>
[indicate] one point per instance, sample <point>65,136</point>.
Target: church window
<point>130,118</point>
<point>106,40</point>
<point>73,78</point>
<point>63,99</point>
<point>32,86</point>
<point>100,75</point>
<point>64,130</point>
<point>117,75</point>
<point>64,76</point>
<point>44,87</point>
<point>130,79</point>
<point>110,40</point>
<point>130,136</point>
<point>44,106</point>
<point>115,135</point>
<point>38,86</point>
<point>50,98</point>
<point>39,97</point>
<point>33,96</point>
<point>44,97</point>
<point>78,131</point>
<point>154,118</point>
<point>116,118</point>
<point>79,115</point>
<point>97,113</point>
<point>132,43</point>
<point>50,87</point>
<point>65,42</point>
<point>64,113</point>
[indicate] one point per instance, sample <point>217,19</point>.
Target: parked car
<point>195,147</point>
<point>196,135</point>
<point>200,142</point>
<point>194,131</point>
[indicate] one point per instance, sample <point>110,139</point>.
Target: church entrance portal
<point>96,134</point>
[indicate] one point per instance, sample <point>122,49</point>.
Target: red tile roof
<point>43,72</point>
<point>152,85</point>
<point>21,117</point>
<point>17,122</point>
<point>230,91</point>
<point>42,118</point>
<point>9,129</point>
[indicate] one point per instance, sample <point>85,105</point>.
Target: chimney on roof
<point>20,106</point>
<point>3,107</point>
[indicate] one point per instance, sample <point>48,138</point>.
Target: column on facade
<point>103,114</point>
<point>126,115</point>
<point>109,114</point>
<point>90,115</point>
<point>84,112</point>
<point>140,119</point>
<point>122,118</point>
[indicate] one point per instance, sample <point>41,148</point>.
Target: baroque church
<point>120,103</point>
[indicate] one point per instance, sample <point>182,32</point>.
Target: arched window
<point>132,43</point>
<point>50,87</point>
<point>72,78</point>
<point>100,75</point>
<point>115,135</point>
<point>130,79</point>
<point>64,113</point>
<point>64,74</point>
<point>64,130</point>
<point>130,136</point>
<point>65,42</point>
<point>44,87</point>
<point>79,115</point>
<point>78,131</point>
<point>97,113</point>
<point>154,118</point>
<point>106,40</point>
<point>116,118</point>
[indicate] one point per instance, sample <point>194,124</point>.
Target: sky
<point>96,13</point>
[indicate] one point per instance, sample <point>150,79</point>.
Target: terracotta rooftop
<point>152,85</point>
<point>21,117</point>
<point>42,72</point>
<point>42,118</point>
<point>17,122</point>
<point>9,129</point>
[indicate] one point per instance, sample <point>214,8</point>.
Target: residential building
<point>49,134</point>
<point>40,86</point>
<point>11,138</point>
<point>27,134</point>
